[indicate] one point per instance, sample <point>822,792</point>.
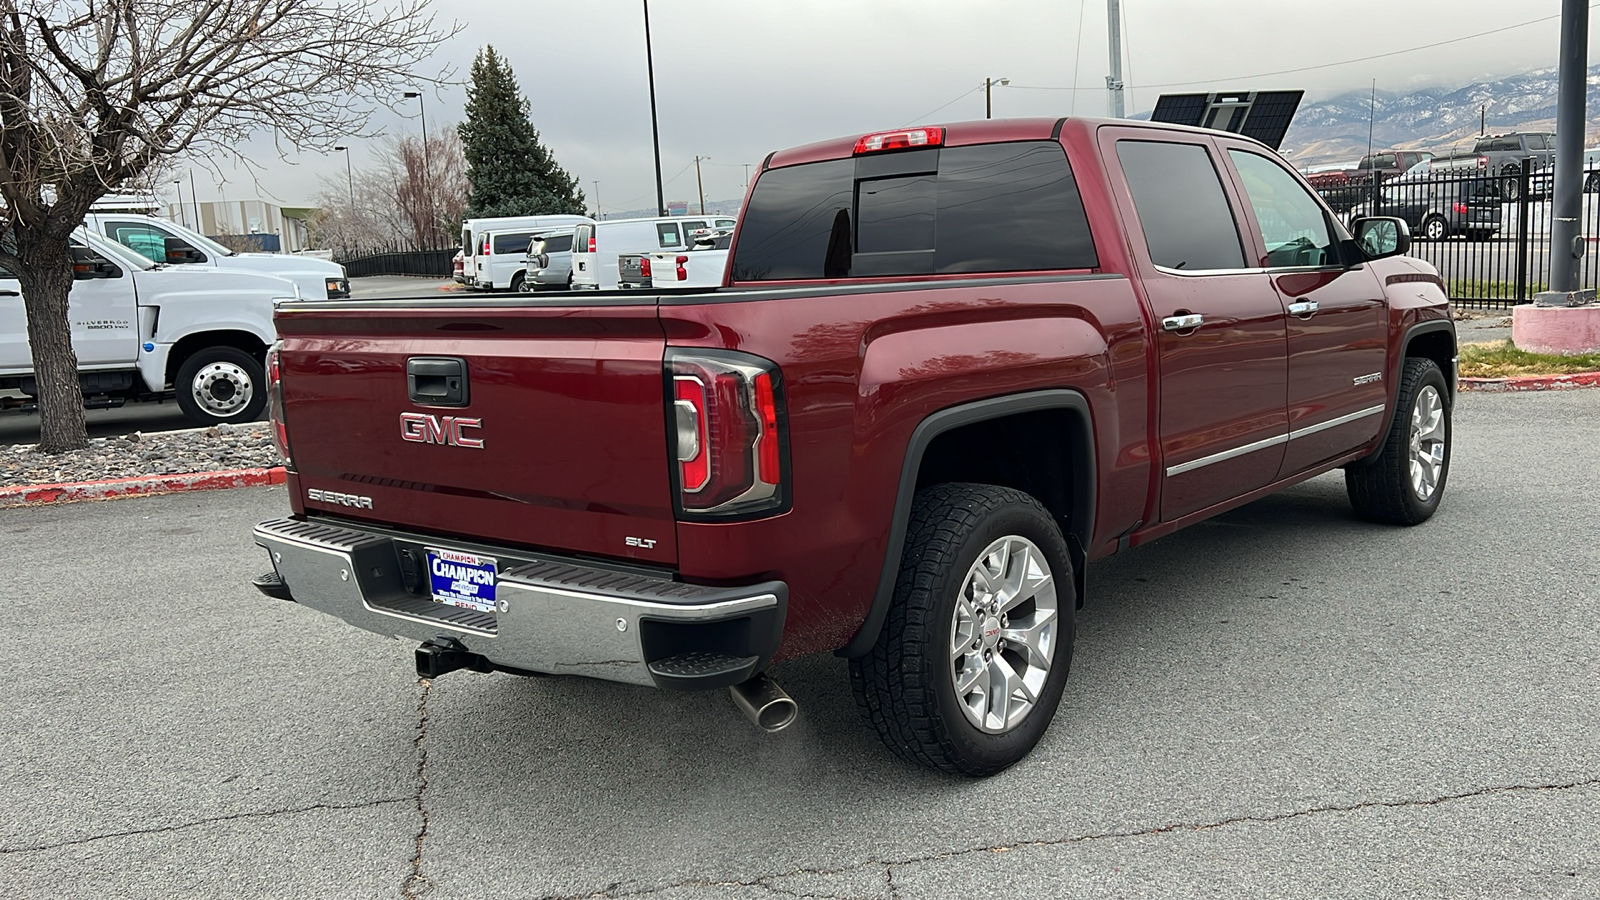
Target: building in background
<point>247,225</point>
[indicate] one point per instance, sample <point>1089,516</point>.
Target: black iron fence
<point>435,263</point>
<point>1488,233</point>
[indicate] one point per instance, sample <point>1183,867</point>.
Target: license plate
<point>461,579</point>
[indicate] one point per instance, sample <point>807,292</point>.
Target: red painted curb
<point>33,494</point>
<point>1532,383</point>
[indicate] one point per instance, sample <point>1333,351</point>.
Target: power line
<point>932,111</point>
<point>1345,62</point>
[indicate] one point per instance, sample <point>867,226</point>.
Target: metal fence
<point>1488,233</point>
<point>436,263</point>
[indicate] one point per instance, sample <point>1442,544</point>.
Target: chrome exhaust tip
<point>764,703</point>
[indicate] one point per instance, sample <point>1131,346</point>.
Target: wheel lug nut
<point>987,654</point>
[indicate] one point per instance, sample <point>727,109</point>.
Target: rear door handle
<point>1303,308</point>
<point>1183,323</point>
<point>6,293</point>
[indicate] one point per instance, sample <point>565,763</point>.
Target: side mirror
<point>86,264</point>
<point>179,251</point>
<point>1381,236</point>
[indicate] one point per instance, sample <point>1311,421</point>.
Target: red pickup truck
<point>949,367</point>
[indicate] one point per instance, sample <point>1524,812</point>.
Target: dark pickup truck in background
<point>950,368</point>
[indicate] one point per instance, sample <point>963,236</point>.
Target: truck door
<point>1219,325</point>
<point>14,356</point>
<point>1337,324</point>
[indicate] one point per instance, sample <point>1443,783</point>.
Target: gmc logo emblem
<point>421,428</point>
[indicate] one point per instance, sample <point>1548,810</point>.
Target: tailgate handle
<point>437,380</point>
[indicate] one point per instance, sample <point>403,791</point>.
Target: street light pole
<point>427,180</point>
<point>199,224</point>
<point>655,131</point>
<point>350,181</point>
<point>1114,80</point>
<point>182,219</point>
<point>1566,224</point>
<point>988,103</point>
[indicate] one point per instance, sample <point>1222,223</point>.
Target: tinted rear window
<point>560,243</point>
<point>512,243</point>
<point>990,208</point>
<point>1183,211</point>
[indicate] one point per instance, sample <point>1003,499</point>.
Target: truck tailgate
<point>559,442</point>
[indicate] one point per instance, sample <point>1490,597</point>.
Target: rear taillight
<point>591,244</point>
<point>485,247</point>
<point>1460,209</point>
<point>644,267</point>
<point>280,428</point>
<point>683,274</point>
<point>728,434</point>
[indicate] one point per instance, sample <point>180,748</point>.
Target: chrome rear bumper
<point>554,616</point>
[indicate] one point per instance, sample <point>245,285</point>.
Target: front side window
<point>1292,221</point>
<point>1187,222</point>
<point>143,239</point>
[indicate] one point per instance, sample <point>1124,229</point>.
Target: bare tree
<point>93,93</point>
<point>398,203</point>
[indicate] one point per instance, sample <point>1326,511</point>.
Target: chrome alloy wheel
<point>1003,637</point>
<point>222,389</point>
<point>1427,442</point>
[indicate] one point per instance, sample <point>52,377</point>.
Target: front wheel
<point>1404,484</point>
<point>1435,229</point>
<point>221,385</point>
<point>971,662</point>
<point>517,282</point>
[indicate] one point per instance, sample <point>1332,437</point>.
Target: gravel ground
<point>218,448</point>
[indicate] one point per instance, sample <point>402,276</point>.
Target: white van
<point>505,265</point>
<point>596,246</point>
<point>162,241</point>
<point>475,236</point>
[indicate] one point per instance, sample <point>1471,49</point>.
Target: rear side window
<point>667,235</point>
<point>1009,207</point>
<point>1536,142</point>
<point>1183,211</point>
<point>512,243</point>
<point>559,243</point>
<point>580,238</point>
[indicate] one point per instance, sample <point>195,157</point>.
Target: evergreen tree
<point>510,172</point>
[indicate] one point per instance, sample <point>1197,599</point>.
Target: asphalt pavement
<point>1281,702</point>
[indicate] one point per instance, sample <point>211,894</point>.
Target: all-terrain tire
<point>906,685</point>
<point>1396,488</point>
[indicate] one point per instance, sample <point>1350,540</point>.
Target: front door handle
<point>7,293</point>
<point>1183,323</point>
<point>1303,308</point>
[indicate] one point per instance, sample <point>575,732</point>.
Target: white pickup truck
<point>162,241</point>
<point>147,331</point>
<point>698,267</point>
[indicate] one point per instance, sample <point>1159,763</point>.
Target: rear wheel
<point>1404,484</point>
<point>1434,228</point>
<point>1591,183</point>
<point>970,664</point>
<point>220,385</point>
<point>1510,185</point>
<point>516,282</point>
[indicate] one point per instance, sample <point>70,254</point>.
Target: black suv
<point>1439,207</point>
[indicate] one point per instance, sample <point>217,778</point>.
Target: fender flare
<point>1083,497</point>
<point>1420,328</point>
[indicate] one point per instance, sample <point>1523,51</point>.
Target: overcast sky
<point>736,79</point>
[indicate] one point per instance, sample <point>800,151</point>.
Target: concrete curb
<point>117,488</point>
<point>1532,383</point>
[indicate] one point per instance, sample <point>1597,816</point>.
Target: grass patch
<point>1467,289</point>
<point>1501,360</point>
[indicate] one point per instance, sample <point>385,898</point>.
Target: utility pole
<point>988,104</point>
<point>182,219</point>
<point>1566,224</point>
<point>597,213</point>
<point>1483,118</point>
<point>199,225</point>
<point>700,184</point>
<point>655,131</point>
<point>746,178</point>
<point>1114,80</point>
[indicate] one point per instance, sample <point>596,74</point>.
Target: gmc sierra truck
<point>949,368</point>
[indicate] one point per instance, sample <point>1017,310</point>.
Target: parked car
<point>700,266</point>
<point>548,265</point>
<point>949,368</point>
<point>162,241</point>
<point>1502,154</point>
<point>143,331</point>
<point>1441,206</point>
<point>504,266</point>
<point>596,247</point>
<point>474,236</point>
